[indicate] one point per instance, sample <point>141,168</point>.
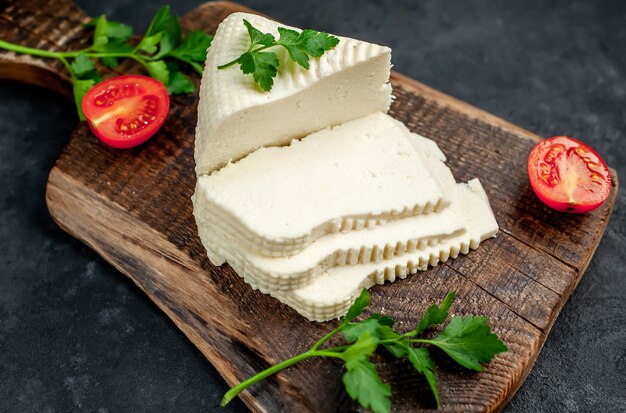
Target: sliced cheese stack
<point>359,200</point>
<point>339,179</point>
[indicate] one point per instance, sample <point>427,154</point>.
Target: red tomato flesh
<point>126,111</point>
<point>568,175</point>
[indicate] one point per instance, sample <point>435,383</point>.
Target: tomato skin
<point>126,111</point>
<point>568,175</point>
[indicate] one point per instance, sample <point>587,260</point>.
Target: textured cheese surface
<point>235,117</point>
<point>338,179</point>
<point>369,245</point>
<point>330,294</point>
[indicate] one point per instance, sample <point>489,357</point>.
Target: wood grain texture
<point>133,208</point>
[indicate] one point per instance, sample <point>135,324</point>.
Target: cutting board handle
<point>44,24</point>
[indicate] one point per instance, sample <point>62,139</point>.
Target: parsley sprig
<point>263,65</point>
<point>160,51</point>
<point>468,340</point>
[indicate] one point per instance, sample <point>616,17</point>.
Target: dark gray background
<point>75,335</point>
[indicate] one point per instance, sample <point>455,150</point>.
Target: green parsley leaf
<point>149,43</point>
<point>115,47</point>
<point>289,40</point>
<point>179,83</point>
<point>82,65</point>
<point>194,47</point>
<point>257,37</point>
<point>110,29</point>
<point>83,68</point>
<point>99,36</point>
<point>361,379</point>
<point>159,22</point>
<point>383,320</point>
<point>158,29</point>
<point>376,325</point>
<point>171,37</point>
<point>80,88</point>
<point>353,331</point>
<point>395,348</point>
<point>119,32</point>
<point>158,70</point>
<point>263,67</point>
<point>365,386</point>
<point>109,32</point>
<point>304,44</point>
<point>316,43</point>
<point>436,314</point>
<point>422,363</point>
<point>469,341</point>
<point>300,46</point>
<point>361,302</point>
<point>361,350</point>
<point>109,61</point>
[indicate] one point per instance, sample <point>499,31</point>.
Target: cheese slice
<point>278,200</point>
<point>369,245</point>
<point>235,117</point>
<point>330,294</point>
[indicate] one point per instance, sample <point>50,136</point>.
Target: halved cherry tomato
<point>568,175</point>
<point>125,111</point>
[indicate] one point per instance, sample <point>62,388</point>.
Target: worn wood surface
<point>133,208</point>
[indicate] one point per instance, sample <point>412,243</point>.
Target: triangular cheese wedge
<point>235,117</point>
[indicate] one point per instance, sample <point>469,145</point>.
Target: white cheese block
<point>278,200</point>
<point>235,117</point>
<point>332,292</point>
<point>370,245</point>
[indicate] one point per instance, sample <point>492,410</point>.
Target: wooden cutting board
<point>133,208</point>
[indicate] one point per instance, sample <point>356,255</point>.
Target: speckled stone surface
<point>76,335</point>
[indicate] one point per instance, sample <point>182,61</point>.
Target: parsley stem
<point>63,55</point>
<point>18,48</point>
<point>232,62</point>
<point>100,54</point>
<point>325,338</point>
<point>78,104</point>
<point>265,47</point>
<point>337,349</point>
<point>28,50</point>
<point>411,333</point>
<point>421,341</point>
<point>233,392</point>
<point>76,52</point>
<point>67,66</point>
<point>229,64</point>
